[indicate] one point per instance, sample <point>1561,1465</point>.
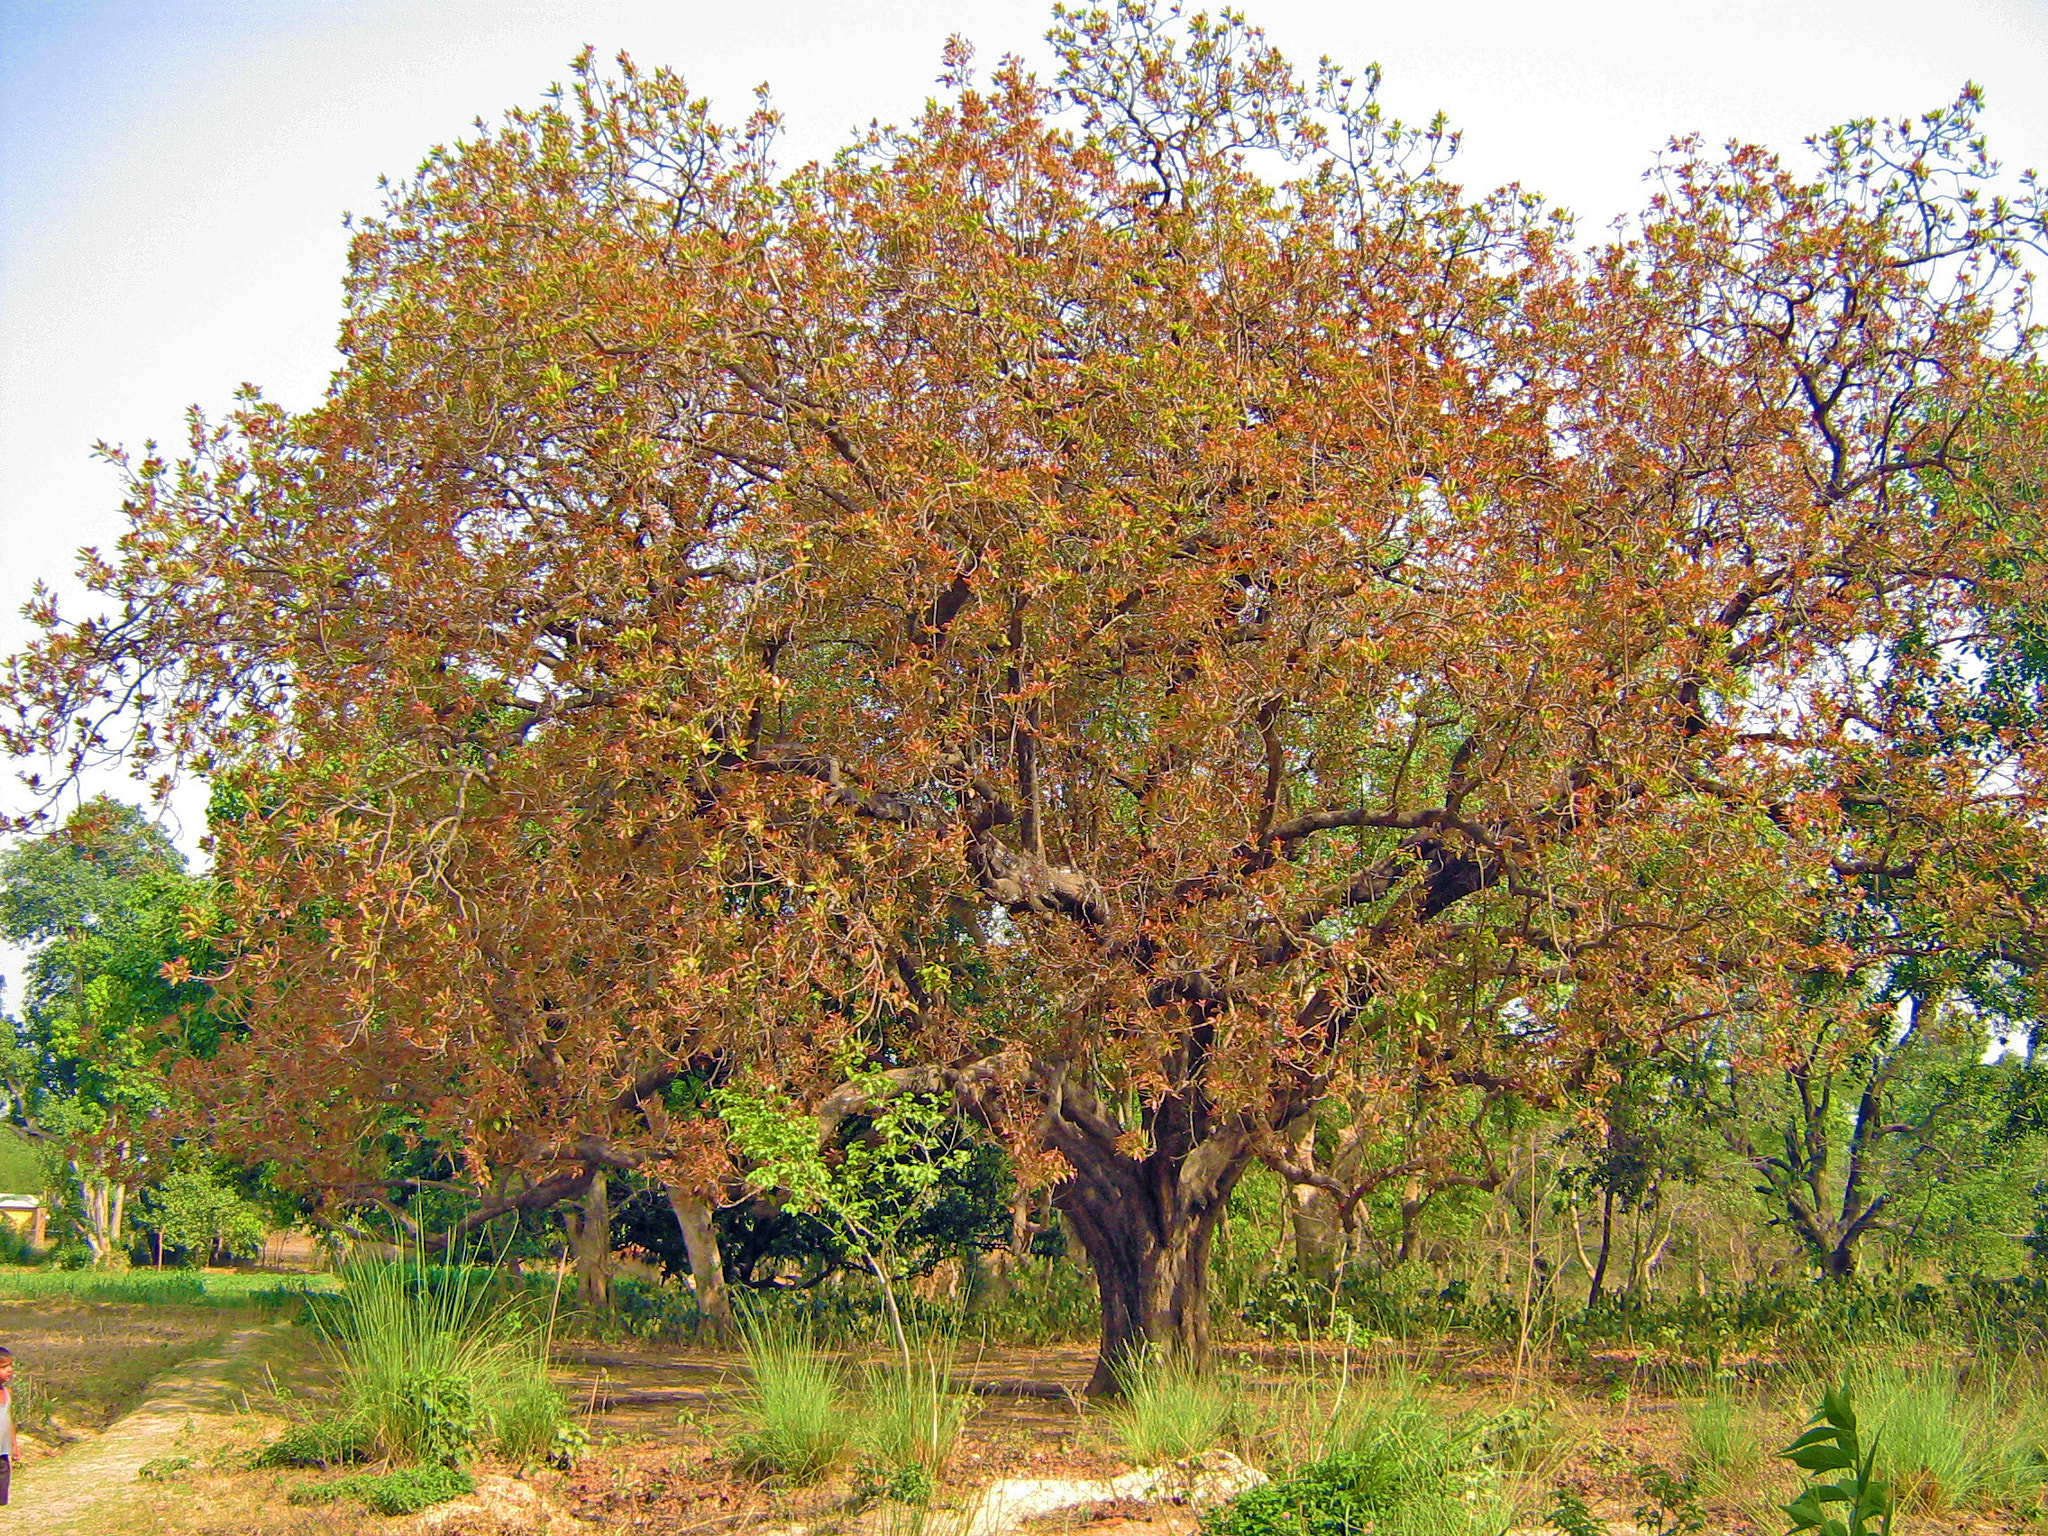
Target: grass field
<point>160,1288</point>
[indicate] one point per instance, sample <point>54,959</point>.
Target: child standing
<point>6,1420</point>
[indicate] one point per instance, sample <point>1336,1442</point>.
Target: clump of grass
<point>798,1427</point>
<point>1169,1411</point>
<point>1724,1456</point>
<point>434,1369</point>
<point>1945,1444</point>
<point>914,1417</point>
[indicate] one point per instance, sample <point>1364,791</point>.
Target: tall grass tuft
<point>1724,1453</point>
<point>435,1369</point>
<point>1946,1444</point>
<point>798,1427</point>
<point>1169,1411</point>
<point>915,1416</point>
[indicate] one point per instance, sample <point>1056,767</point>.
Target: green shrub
<point>1341,1495</point>
<point>1397,1467</point>
<point>1169,1411</point>
<point>319,1443</point>
<point>798,1426</point>
<point>405,1492</point>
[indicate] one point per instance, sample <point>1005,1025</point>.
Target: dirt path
<point>93,1480</point>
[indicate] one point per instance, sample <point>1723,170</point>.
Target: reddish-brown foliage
<point>1136,597</point>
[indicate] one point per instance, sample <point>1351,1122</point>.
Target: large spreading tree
<point>1131,599</point>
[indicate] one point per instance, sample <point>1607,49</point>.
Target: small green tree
<point>199,1211</point>
<point>872,1176</point>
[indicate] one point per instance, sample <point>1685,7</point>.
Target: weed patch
<point>405,1492</point>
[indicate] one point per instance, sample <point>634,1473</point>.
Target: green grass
<point>159,1287</point>
<point>798,1426</point>
<point>1724,1450</point>
<point>914,1418</point>
<point>1946,1443</point>
<point>1169,1412</point>
<point>434,1368</point>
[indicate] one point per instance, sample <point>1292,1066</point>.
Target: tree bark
<point>1151,1264</point>
<point>1147,1222</point>
<point>1606,1248</point>
<point>590,1240</point>
<point>707,1264</point>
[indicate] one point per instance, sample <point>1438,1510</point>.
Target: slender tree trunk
<point>590,1239</point>
<point>1318,1238</point>
<point>707,1264</point>
<point>1606,1247</point>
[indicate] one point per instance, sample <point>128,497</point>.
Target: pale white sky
<point>173,172</point>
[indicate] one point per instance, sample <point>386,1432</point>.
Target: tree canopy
<point>1131,599</point>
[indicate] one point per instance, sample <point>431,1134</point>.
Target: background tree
<point>1099,597</point>
<point>197,1211</point>
<point>104,903</point>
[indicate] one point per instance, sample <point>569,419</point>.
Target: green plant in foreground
<point>405,1492</point>
<point>436,1368</point>
<point>319,1443</point>
<point>798,1426</point>
<point>1169,1411</point>
<point>914,1417</point>
<point>1830,1444</point>
<point>1571,1517</point>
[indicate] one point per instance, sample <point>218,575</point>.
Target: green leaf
<point>1834,1407</point>
<point>1824,1435</point>
<point>1821,1458</point>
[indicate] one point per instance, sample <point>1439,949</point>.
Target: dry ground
<point>660,1419</point>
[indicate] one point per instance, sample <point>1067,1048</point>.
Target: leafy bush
<point>198,1211</point>
<point>1399,1468</point>
<point>319,1443</point>
<point>404,1492</point>
<point>798,1426</point>
<point>1341,1495</point>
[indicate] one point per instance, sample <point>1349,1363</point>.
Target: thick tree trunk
<point>590,1240</point>
<point>1151,1277</point>
<point>707,1264</point>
